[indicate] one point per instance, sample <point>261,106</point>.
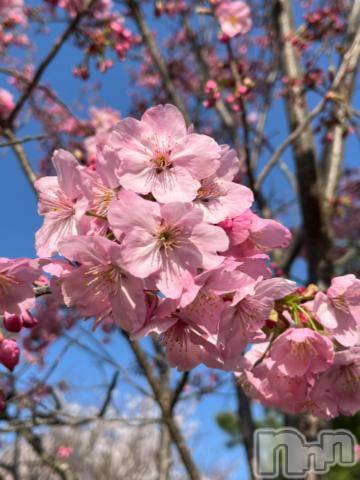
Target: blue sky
<point>19,222</point>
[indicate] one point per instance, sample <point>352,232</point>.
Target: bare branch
<point>169,420</point>
<point>47,60</point>
<point>317,236</point>
<point>149,40</point>
<point>21,156</point>
<point>109,393</point>
<point>179,389</point>
<point>28,138</point>
<point>343,90</point>
<point>60,467</point>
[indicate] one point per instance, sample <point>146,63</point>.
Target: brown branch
<point>288,141</point>
<point>20,141</point>
<point>157,58</point>
<point>334,151</point>
<point>223,112</point>
<point>179,389</point>
<point>108,396</point>
<point>60,467</point>
<point>246,424</point>
<point>174,430</point>
<point>317,235</point>
<point>48,92</point>
<point>47,60</point>
<point>21,156</point>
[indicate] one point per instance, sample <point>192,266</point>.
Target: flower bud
<point>9,353</point>
<point>28,320</point>
<point>13,323</point>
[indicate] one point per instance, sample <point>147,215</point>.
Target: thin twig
<point>179,389</point>
<point>150,42</point>
<point>21,156</point>
<point>28,138</point>
<point>109,393</point>
<point>47,60</point>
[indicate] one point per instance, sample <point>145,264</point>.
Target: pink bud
<point>13,323</point>
<point>9,353</point>
<point>28,320</point>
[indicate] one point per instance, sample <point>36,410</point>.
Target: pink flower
<point>250,308</point>
<point>339,309</point>
<point>265,382</point>
<point>158,155</point>
<point>300,351</point>
<point>342,382</point>
<point>250,234</point>
<point>220,198</point>
<point>99,187</point>
<point>9,353</point>
<point>170,241</point>
<point>234,18</point>
<point>64,452</point>
<point>188,334</point>
<point>57,202</point>
<point>16,290</point>
<point>101,286</point>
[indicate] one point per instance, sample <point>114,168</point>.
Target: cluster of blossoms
<point>310,361</point>
<point>324,22</point>
<point>16,300</point>
<point>157,237</point>
<point>103,32</point>
<point>12,15</point>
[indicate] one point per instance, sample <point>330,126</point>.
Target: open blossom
<point>160,156</point>
<point>337,390</point>
<point>188,334</point>
<point>170,240</point>
<point>234,17</point>
<point>339,309</point>
<point>250,234</point>
<point>261,379</point>
<point>218,196</point>
<point>57,202</point>
<point>16,289</point>
<point>301,351</point>
<point>101,286</point>
<point>242,321</point>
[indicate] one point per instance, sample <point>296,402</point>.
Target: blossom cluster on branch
<point>157,236</point>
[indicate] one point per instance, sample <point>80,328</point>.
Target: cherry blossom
<point>101,286</point>
<point>160,156</point>
<point>57,202</point>
<point>234,17</point>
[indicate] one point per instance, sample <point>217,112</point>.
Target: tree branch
<point>334,150</point>
<point>60,467</point>
<point>317,236</point>
<point>47,60</point>
<point>168,419</point>
<point>21,156</point>
<point>149,40</point>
